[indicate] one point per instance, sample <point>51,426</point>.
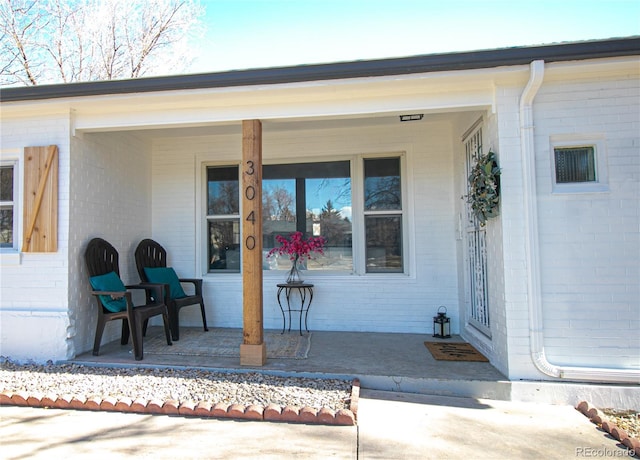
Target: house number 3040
<point>250,194</point>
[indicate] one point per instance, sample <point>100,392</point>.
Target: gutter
<point>532,254</point>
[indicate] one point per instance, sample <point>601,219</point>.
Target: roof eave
<point>343,70</point>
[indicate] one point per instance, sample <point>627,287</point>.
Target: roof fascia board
<point>446,101</point>
<point>300,97</point>
<point>480,78</point>
<point>602,68</point>
<point>344,70</point>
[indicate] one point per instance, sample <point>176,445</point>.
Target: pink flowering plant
<point>298,248</point>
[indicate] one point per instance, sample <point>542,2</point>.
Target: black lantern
<point>442,324</point>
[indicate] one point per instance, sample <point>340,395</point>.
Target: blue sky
<point>242,34</point>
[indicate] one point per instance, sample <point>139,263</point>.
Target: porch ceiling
<point>295,124</point>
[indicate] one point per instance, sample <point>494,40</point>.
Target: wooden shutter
<point>40,199</point>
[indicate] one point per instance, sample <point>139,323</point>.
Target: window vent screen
<point>575,164</point>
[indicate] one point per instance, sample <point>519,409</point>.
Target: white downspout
<point>532,254</point>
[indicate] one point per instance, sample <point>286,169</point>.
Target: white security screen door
<point>476,237</point>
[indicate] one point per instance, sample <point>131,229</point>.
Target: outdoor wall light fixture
<point>412,117</point>
<point>442,324</point>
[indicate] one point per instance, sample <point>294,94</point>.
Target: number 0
<point>250,242</point>
<point>250,192</point>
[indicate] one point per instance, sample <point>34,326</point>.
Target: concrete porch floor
<point>382,361</point>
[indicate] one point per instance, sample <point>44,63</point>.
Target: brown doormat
<point>453,351</point>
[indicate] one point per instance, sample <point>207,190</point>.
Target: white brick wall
<point>110,199</point>
<point>512,329</point>
<point>590,242</point>
<point>45,308</point>
<point>34,304</point>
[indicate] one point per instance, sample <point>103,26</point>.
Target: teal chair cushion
<point>110,282</point>
<point>166,275</point>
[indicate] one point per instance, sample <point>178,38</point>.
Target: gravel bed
<point>628,420</point>
<point>200,385</point>
<point>179,384</point>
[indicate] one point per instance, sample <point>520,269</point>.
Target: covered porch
<point>367,324</point>
<point>382,361</point>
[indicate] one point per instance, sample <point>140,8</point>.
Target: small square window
<point>578,163</point>
<point>575,164</point>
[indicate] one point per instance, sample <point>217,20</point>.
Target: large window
<point>383,215</point>
<point>312,198</point>
<point>7,206</point>
<point>315,199</point>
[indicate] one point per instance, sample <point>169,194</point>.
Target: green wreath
<point>484,188</point>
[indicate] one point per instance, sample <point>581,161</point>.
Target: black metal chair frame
<point>150,254</point>
<point>102,258</point>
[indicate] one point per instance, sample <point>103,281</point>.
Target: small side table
<point>305,292</point>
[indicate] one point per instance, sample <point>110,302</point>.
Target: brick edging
<point>599,418</point>
<point>271,413</point>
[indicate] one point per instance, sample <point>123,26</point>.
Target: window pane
<point>223,191</point>
<point>6,183</point>
<point>576,164</point>
<point>224,247</point>
<point>315,199</point>
<point>308,170</point>
<point>382,184</point>
<point>329,216</point>
<point>278,209</point>
<point>384,244</point>
<point>6,226</point>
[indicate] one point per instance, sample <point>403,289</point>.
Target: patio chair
<point>114,299</point>
<point>151,261</point>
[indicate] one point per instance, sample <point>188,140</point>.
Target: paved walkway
<point>402,363</point>
<point>391,426</point>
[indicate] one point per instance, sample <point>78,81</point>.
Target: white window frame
<point>357,222</point>
<point>202,231</point>
<point>403,212</point>
<point>352,159</point>
<point>14,157</point>
<point>597,142</point>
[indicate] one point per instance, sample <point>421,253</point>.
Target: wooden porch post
<point>252,350</point>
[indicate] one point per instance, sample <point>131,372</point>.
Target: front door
<point>475,237</point>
